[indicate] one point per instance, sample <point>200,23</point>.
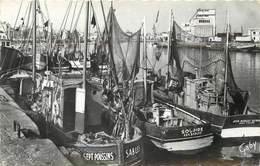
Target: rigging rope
<point>67,15</point>
<point>76,22</point>
<point>22,44</point>
<point>47,11</point>
<point>60,30</point>
<point>18,13</point>
<point>73,16</point>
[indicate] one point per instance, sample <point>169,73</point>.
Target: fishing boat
<point>9,56</point>
<point>61,104</point>
<point>40,62</point>
<point>168,127</point>
<point>211,94</point>
<point>249,47</point>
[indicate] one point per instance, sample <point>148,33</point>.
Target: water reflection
<point>220,153</point>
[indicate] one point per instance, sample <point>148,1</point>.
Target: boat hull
<point>40,62</point>
<point>180,140</point>
<point>191,146</point>
<point>243,126</point>
<point>117,153</point>
<point>9,59</point>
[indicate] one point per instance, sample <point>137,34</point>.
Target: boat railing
<point>173,121</point>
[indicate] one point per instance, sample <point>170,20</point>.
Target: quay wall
<point>20,144</point>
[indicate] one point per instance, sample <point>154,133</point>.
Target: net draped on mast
<point>210,63</point>
<point>126,50</point>
<point>239,97</point>
<point>124,59</point>
<point>174,58</point>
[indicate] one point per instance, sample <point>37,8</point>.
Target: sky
<point>131,13</point>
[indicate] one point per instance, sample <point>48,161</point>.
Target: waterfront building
<point>254,33</point>
<point>202,23</point>
<point>215,39</point>
<point>246,38</point>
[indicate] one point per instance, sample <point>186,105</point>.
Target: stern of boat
<point>241,126</point>
<point>181,140</point>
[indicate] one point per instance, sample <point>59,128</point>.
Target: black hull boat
<point>84,137</point>
<point>239,127</point>
<point>40,62</point>
<point>174,129</point>
<point>9,59</point>
<point>169,127</point>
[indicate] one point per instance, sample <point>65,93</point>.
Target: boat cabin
<point>4,40</point>
<point>201,94</point>
<point>153,112</point>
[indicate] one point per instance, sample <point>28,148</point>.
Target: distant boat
<point>9,59</point>
<point>40,62</point>
<point>9,56</point>
<point>246,47</point>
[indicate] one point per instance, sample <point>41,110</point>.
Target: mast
<point>145,61</point>
<point>34,41</point>
<point>200,64</point>
<point>226,62</point>
<point>168,49</point>
<point>86,46</point>
<point>106,32</point>
<point>114,77</point>
<point>80,117</point>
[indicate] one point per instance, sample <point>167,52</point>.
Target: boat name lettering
<point>191,132</point>
<point>3,99</point>
<point>133,151</point>
<point>246,121</point>
<point>108,156</point>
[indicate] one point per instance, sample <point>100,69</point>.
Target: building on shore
<point>202,23</point>
<point>254,33</point>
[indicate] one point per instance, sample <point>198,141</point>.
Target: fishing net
<point>210,64</point>
<point>194,60</point>
<point>125,50</point>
